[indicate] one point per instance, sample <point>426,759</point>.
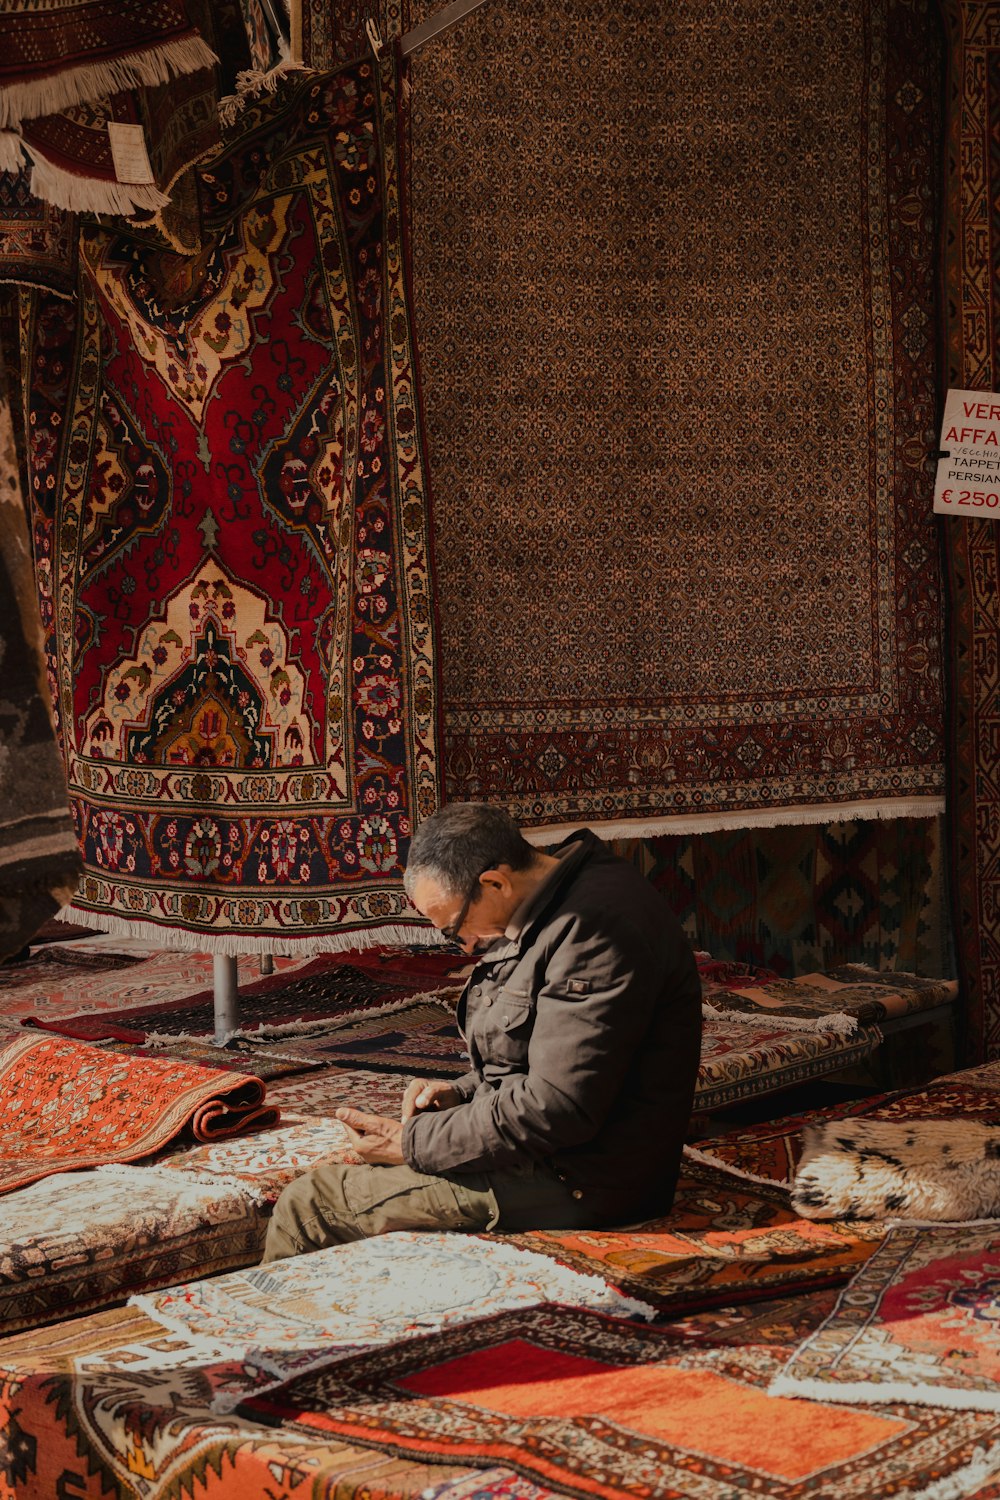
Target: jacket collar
<point>571,853</point>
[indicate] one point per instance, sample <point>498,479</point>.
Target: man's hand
<point>428,1093</point>
<point>377,1140</point>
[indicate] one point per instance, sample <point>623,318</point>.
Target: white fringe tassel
<point>233,945</point>
<point>835,1024</point>
<point>874,1393</point>
<point>122,1174</point>
<point>89,195</point>
<point>251,83</point>
<point>943,1224</point>
<point>985,1463</point>
<point>157,63</point>
<point>12,157</point>
<point>708,1160</point>
<point>763,817</point>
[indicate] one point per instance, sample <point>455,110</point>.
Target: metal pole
<point>435,24</point>
<point>227,999</point>
<point>267,963</point>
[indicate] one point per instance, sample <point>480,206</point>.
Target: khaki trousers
<point>334,1204</point>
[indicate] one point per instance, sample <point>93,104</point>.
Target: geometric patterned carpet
<point>592,1407</point>
<point>918,1323</point>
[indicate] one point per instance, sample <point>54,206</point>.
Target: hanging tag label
<point>968,475</point>
<point>129,154</point>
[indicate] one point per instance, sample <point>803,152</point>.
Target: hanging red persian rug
<point>231,537</point>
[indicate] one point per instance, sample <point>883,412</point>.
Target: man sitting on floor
<point>583,1023</point>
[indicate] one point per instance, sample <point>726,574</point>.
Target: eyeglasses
<point>452,933</point>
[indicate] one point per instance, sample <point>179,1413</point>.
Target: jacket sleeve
<point>584,1026</point>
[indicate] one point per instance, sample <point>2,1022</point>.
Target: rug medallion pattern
<point>235,578</point>
<point>680,406</point>
<point>289,1316</point>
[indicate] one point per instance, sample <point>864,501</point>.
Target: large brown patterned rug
<point>675,308</point>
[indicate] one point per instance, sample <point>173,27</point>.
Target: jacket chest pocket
<point>505,1029</point>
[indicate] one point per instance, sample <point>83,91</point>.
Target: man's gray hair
<point>459,841</point>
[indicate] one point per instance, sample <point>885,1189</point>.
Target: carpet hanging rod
<point>443,20</point>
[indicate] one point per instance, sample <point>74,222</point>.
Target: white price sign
<point>968,471</point>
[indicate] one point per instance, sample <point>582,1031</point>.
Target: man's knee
<point>332,1205</point>
<point>312,1212</point>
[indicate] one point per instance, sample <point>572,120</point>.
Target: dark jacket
<point>584,1034</point>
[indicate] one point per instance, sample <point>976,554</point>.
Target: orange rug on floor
<point>66,1105</point>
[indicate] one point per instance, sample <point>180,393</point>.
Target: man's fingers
<point>356,1118</point>
<point>410,1098</point>
<point>419,1095</point>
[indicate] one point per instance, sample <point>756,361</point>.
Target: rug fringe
<point>941,1224</point>
<point>89,195</point>
<point>179,1176</point>
<point>259,1197</point>
<point>765,817</point>
<point>251,83</point>
<point>837,1023</point>
<point>984,1465</point>
<point>873,1393</point>
<point>11,151</point>
<point>156,63</point>
<point>708,1160</point>
<point>227,944</point>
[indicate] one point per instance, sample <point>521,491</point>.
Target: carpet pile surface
<point>66,1105</point>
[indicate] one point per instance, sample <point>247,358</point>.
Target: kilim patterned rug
<point>679,406</point>
<point>804,898</point>
<point>742,1057</point>
<point>156,1423</point>
<point>85,1240</point>
<point>972,547</point>
<point>65,1105</point>
<point>59,52</point>
<point>417,1037</point>
<point>918,1323</point>
<point>853,990</point>
<point>236,586</point>
<point>770,1151</point>
<point>173,975</point>
<point>597,1408</point>
<point>58,964</point>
